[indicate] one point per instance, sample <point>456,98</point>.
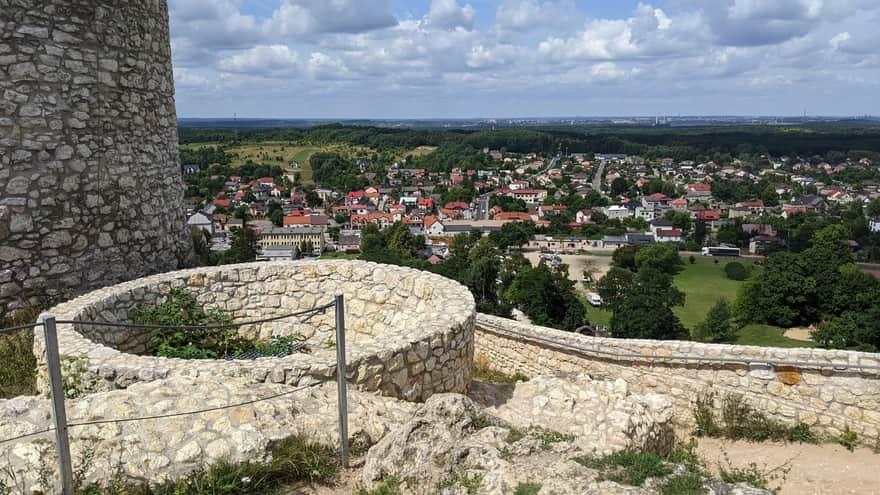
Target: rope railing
<point>168,415</point>
<point>682,358</point>
<point>20,327</point>
<point>59,416</point>
<point>216,326</point>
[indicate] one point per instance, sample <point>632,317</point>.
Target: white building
<point>616,211</point>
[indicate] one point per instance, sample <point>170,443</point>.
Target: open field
<point>281,152</point>
<point>576,264</point>
<point>703,284</point>
<point>768,336</point>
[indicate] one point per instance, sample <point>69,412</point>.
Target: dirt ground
<point>576,264</point>
<point>798,333</point>
<point>825,469</point>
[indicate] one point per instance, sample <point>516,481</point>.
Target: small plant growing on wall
<point>181,308</point>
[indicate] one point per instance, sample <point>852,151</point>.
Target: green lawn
<point>598,316</point>
<point>703,284</point>
<point>768,336</point>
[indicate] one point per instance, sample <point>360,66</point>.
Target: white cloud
<point>274,59</point>
<point>448,14</point>
<point>534,49</point>
<point>300,17</point>
<point>529,15</point>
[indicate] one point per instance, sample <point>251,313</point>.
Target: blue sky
<point>518,58</point>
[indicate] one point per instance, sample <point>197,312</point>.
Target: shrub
<point>740,421</point>
<point>18,371</point>
<point>692,259</point>
<point>704,417</point>
<point>527,489</point>
<point>686,455</point>
<point>488,376</point>
<point>736,271</point>
<point>469,483</point>
<point>753,474</point>
<point>683,484</point>
<point>627,467</point>
<point>389,486</point>
<point>295,459</point>
<point>181,308</point>
<point>848,439</point>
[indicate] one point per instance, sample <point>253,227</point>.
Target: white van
<point>595,299</point>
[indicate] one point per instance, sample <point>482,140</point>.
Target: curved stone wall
<point>827,398</point>
<point>90,181</point>
<point>409,333</point>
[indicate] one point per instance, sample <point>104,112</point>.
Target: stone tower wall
<point>90,181</point>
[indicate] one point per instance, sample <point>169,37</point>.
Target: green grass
<point>684,484</point>
<point>18,366</point>
<point>768,336</point>
<point>294,460</point>
<point>598,316</point>
<point>489,376</point>
<point>627,467</point>
<point>527,489</point>
<point>703,284</point>
<point>389,486</point>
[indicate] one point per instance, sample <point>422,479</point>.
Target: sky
<point>401,59</point>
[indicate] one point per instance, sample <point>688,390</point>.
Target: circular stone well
<point>409,333</point>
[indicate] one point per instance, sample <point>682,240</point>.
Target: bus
<point>721,251</point>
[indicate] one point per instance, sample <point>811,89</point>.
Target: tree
<point>547,297</point>
<point>201,245</point>
<point>718,326</point>
<point>512,234</point>
<point>277,218</point>
<point>619,186</point>
<point>625,257</point>
<point>783,294</point>
<point>873,209</point>
<point>645,311</point>
<point>736,271</point>
<point>828,253</point>
<point>243,248</point>
<point>661,257</point>
<point>680,219</point>
<point>372,240</point>
<point>614,287</point>
<point>769,196</point>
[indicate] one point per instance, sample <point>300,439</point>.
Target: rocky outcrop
<point>451,447</point>
<point>602,415</point>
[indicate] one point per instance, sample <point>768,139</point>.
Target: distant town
<point>626,200</point>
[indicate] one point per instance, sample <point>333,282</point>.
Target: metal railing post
<point>59,415</point>
<point>340,380</point>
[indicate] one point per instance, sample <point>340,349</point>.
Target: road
<point>597,180</point>
<point>481,203</point>
<point>549,166</point>
<point>481,207</point>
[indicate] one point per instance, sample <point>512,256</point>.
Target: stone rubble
<point>169,448</point>
<point>446,443</point>
<point>603,415</point>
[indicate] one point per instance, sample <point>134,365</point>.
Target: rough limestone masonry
<point>90,181</point>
